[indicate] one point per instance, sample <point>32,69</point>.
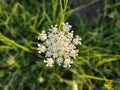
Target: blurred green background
<point>97,22</point>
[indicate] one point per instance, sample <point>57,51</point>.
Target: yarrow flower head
<point>59,46</point>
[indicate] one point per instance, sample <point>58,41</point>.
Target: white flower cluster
<point>59,46</point>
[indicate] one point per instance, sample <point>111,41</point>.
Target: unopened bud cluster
<point>59,46</point>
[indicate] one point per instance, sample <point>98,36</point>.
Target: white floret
<point>41,48</point>
<point>49,62</point>
<point>59,60</point>
<point>42,36</point>
<point>77,40</point>
<point>67,63</point>
<point>66,27</point>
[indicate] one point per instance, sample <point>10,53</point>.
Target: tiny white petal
<point>39,45</point>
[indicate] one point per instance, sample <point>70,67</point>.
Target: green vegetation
<point>22,68</point>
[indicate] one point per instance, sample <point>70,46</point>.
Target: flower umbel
<point>59,46</point>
